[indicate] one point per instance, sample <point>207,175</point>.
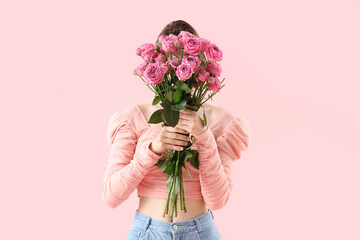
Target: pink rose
<point>175,61</point>
<point>161,38</point>
<point>153,74</point>
<point>192,46</point>
<point>184,71</point>
<point>203,75</point>
<point>161,58</point>
<point>213,53</point>
<point>193,61</point>
<point>169,42</point>
<point>141,68</point>
<point>214,84</point>
<point>182,35</point>
<point>164,68</point>
<point>144,47</point>
<point>149,54</point>
<point>204,43</point>
<point>160,50</point>
<point>185,54</point>
<point>214,68</point>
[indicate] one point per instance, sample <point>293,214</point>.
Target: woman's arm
<point>126,167</point>
<point>217,158</point>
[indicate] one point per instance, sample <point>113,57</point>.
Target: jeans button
<point>175,227</point>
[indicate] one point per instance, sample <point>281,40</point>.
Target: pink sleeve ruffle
<point>127,163</point>
<point>234,139</point>
<point>217,158</point>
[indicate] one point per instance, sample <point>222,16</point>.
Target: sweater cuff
<point>151,153</point>
<point>206,140</point>
<point>145,157</point>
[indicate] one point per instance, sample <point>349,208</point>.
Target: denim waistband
<point>199,223</point>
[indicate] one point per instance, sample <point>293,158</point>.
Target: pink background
<point>292,70</point>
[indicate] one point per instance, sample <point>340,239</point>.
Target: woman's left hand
<point>190,121</point>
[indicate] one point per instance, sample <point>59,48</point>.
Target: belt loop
<point>211,213</point>
<point>198,225</point>
<point>147,223</point>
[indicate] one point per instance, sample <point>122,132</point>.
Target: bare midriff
<point>154,207</point>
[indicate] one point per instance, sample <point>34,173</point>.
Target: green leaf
<point>156,100</point>
<point>179,106</point>
<point>169,168</point>
<point>188,154</point>
<point>205,120</point>
<point>194,160</point>
<point>169,181</point>
<point>163,118</point>
<point>187,169</point>
<point>177,95</point>
<point>164,104</point>
<point>156,116</point>
<point>161,163</point>
<point>171,116</point>
<point>183,86</point>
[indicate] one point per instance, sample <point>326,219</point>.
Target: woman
<point>136,147</point>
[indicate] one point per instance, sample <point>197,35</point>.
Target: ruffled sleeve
<point>127,163</point>
<point>234,139</point>
<point>119,122</point>
<point>217,158</point>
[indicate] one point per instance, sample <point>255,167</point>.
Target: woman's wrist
<point>205,139</point>
<point>151,149</point>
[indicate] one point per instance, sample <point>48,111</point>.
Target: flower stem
<point>182,197</point>
<point>174,196</point>
<point>146,84</point>
<point>168,197</point>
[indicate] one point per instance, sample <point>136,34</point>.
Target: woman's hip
<point>146,227</point>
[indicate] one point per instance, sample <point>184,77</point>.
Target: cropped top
<point>131,164</point>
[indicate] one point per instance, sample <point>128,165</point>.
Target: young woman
<point>136,147</point>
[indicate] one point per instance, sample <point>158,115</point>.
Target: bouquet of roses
<point>180,70</point>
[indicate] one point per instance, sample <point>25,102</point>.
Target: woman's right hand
<point>169,138</point>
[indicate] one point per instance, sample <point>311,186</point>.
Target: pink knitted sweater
<point>131,161</point>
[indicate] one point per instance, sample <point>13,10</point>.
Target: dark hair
<point>175,27</point>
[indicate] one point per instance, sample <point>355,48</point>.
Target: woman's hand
<point>191,122</point>
<point>169,138</point>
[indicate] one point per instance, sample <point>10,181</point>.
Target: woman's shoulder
<point>124,114</point>
<point>218,116</point>
<point>214,109</point>
<point>121,121</point>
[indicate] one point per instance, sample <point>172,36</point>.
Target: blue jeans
<point>146,227</point>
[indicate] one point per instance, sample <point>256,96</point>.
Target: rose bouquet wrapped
<point>180,70</point>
